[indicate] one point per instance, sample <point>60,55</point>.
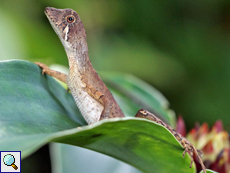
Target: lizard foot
<point>58,75</point>
<point>190,154</point>
<point>190,149</point>
<point>44,67</point>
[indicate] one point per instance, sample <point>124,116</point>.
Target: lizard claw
<point>191,156</point>
<point>191,162</point>
<point>189,150</point>
<point>185,151</point>
<point>43,66</point>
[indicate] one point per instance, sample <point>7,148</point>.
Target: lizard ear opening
<point>70,19</point>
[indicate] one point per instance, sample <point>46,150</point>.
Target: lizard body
<point>92,97</point>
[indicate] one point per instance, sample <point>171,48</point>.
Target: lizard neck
<point>77,54</point>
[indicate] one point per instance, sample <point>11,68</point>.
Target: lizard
<point>91,95</point>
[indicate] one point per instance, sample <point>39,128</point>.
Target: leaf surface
<point>35,110</point>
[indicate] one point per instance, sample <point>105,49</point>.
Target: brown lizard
<point>92,97</point>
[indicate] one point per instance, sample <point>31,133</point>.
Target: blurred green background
<point>179,47</point>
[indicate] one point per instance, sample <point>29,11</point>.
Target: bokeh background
<point>180,47</point>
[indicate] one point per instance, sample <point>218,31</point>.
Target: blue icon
<point>9,160</point>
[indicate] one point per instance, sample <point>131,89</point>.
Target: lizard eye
<point>70,19</point>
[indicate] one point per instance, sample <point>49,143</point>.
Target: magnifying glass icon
<point>9,160</point>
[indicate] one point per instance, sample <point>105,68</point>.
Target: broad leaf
<point>35,110</point>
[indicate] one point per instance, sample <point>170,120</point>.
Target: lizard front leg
<point>58,75</point>
<point>189,148</point>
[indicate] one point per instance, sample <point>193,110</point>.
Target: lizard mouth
<point>53,15</point>
<point>48,9</point>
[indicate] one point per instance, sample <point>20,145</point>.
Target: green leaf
<point>148,146</point>
<point>32,106</point>
<point>35,110</point>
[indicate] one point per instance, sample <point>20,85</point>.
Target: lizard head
<point>68,26</point>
